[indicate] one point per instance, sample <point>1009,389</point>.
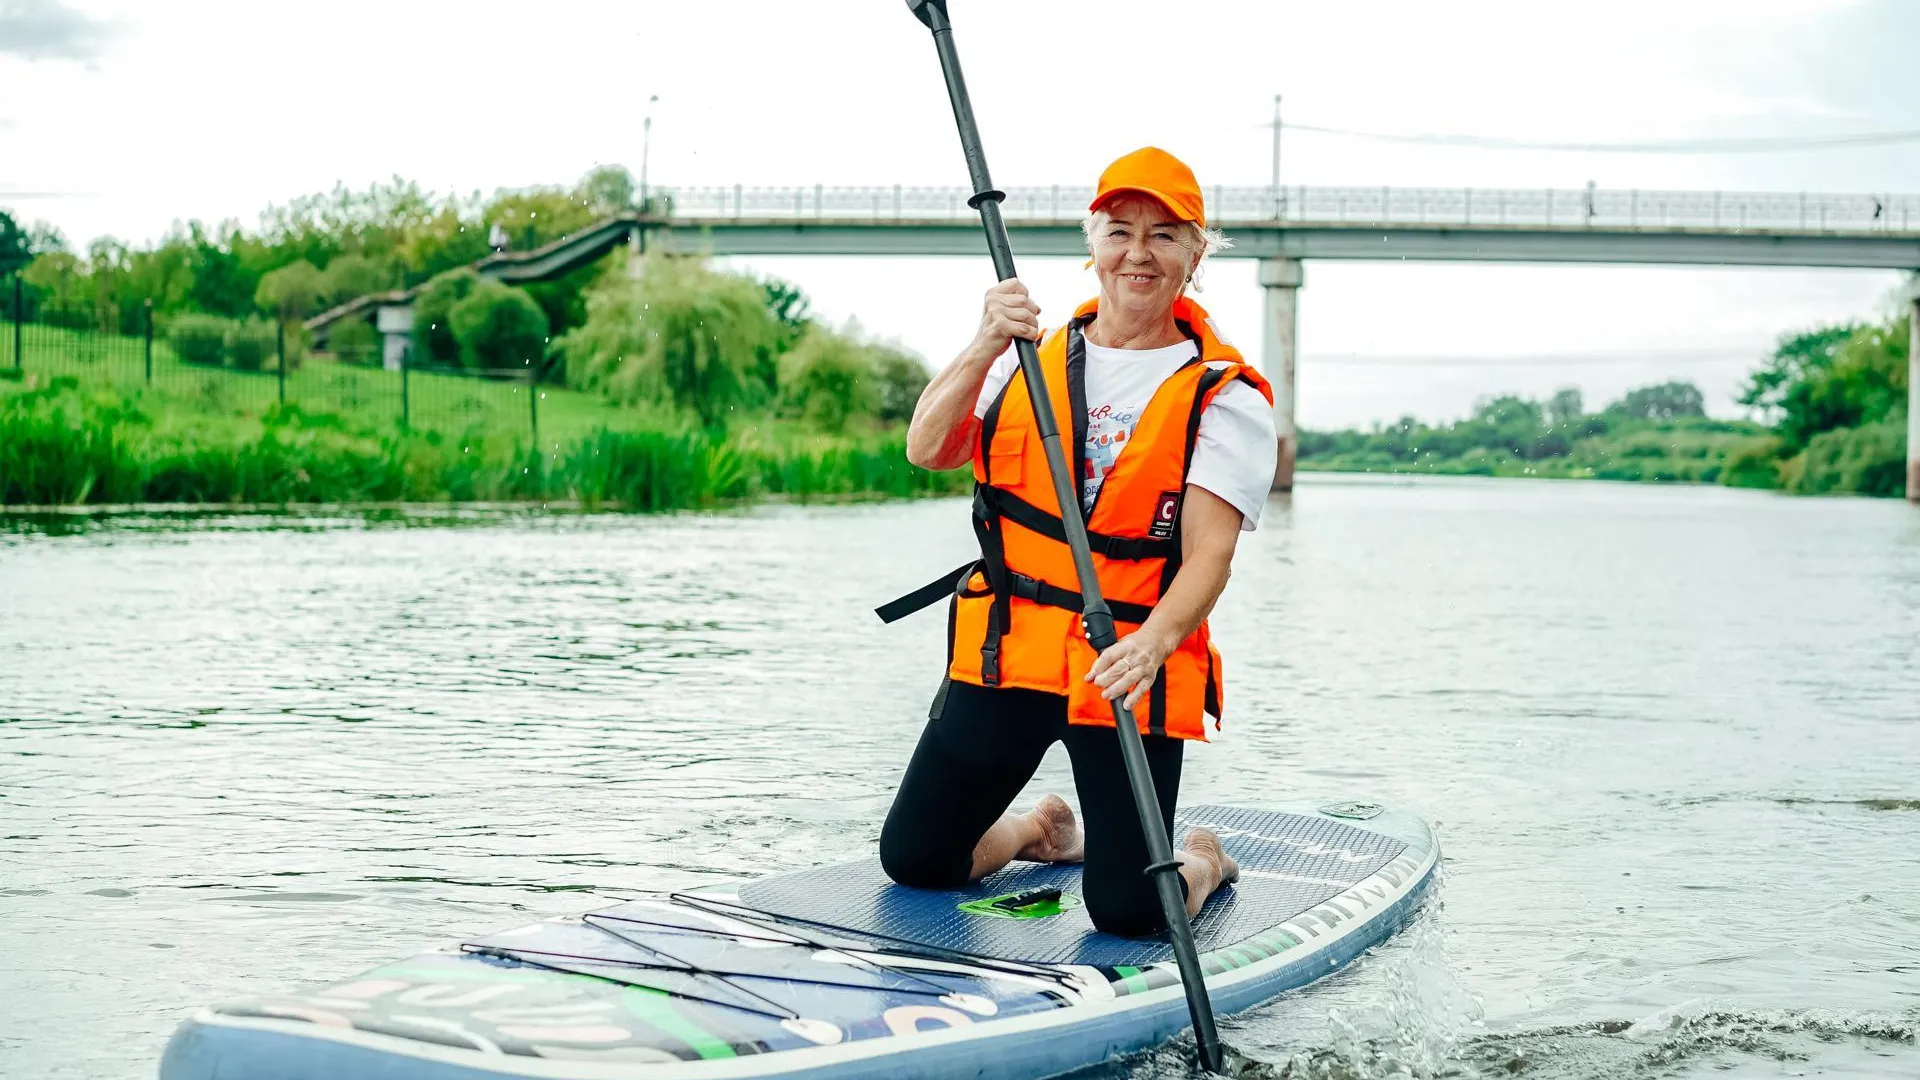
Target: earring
<point>1189,277</point>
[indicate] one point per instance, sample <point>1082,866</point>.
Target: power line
<point>1653,146</point>
<point>1663,357</point>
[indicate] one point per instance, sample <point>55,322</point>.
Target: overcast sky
<point>121,116</point>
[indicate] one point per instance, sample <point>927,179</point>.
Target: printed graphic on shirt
<point>1109,426</point>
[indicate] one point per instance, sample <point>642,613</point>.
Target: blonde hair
<point>1194,237</point>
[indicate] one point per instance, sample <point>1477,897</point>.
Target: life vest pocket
<point>1007,454</point>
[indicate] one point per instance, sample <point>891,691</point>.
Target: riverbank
<point>61,445</point>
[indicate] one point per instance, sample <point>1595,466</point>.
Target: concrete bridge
<point>1283,227</point>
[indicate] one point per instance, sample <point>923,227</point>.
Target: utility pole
<point>646,141</point>
<point>1278,202</point>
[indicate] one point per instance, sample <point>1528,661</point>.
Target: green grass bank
<point>62,444</point>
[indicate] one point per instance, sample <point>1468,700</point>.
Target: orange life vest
<point>1014,618</point>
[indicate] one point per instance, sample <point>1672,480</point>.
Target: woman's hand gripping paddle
<point>1095,615</point>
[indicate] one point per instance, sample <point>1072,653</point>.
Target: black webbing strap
<point>929,594</point>
<point>1212,705</point>
<point>1030,517</point>
<point>1020,585</point>
<point>1077,408</point>
<point>1042,592</point>
<point>1157,697</point>
<point>993,565</point>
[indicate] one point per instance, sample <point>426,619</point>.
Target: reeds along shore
<point>60,446</point>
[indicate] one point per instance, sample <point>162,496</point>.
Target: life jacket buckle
<point>1024,587</point>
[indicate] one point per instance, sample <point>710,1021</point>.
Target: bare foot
<point>1059,839</point>
<point>1206,866</point>
<point>1204,843</point>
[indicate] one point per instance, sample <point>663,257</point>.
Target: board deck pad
<point>1289,863</point>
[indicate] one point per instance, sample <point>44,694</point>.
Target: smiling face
<point>1142,257</point>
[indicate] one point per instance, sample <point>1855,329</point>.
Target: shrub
<point>433,315</point>
<point>199,339</point>
<point>292,291</point>
<point>828,380</point>
<point>249,344</point>
<point>354,341</point>
<point>1869,460</point>
<point>499,327</point>
<point>1755,465</point>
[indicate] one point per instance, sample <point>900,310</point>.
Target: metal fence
<point>1575,208</point>
<point>268,366</point>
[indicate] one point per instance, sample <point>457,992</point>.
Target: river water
<point>1670,736</point>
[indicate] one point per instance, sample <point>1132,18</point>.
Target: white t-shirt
<point>1233,452</point>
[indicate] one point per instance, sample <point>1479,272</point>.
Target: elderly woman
<point>1173,443</point>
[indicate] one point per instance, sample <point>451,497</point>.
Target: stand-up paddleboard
<point>838,972</point>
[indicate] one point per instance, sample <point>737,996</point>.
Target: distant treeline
<point>306,255</point>
<point>1830,407</point>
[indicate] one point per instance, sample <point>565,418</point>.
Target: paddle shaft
<point>1095,615</point>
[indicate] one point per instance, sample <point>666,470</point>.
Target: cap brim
<point>1160,197</point>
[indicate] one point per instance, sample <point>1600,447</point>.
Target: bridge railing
<point>1600,208</point>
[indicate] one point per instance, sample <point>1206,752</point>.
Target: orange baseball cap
<point>1152,171</point>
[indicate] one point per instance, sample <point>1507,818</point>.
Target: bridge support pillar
<point>1280,281</point>
<point>1913,398</point>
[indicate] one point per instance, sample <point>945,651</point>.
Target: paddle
<point>1095,615</point>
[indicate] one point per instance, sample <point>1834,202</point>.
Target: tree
<point>789,307</point>
<point>681,334</point>
<point>1666,401</point>
<point>899,379</point>
<point>62,294</point>
<point>444,241</point>
<point>1829,378</point>
<point>433,315</point>
<point>537,216</point>
<point>222,285</point>
<point>292,291</point>
<point>15,249</point>
<point>607,190</point>
<point>1566,406</point>
<point>44,236</point>
<point>116,305</point>
<point>1507,410</point>
<point>1795,357</point>
<point>499,328</point>
<point>1507,422</point>
<point>351,276</point>
<point>163,275</point>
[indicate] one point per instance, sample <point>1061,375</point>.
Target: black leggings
<point>976,757</point>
